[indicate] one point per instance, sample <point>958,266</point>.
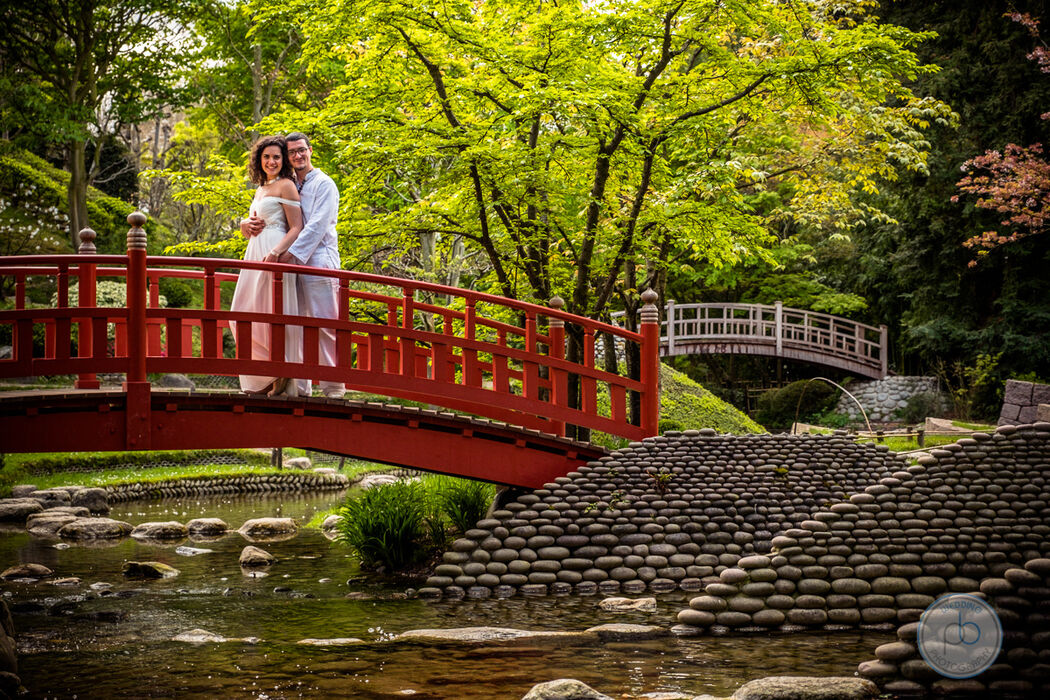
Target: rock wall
<point>271,483</point>
<point>883,398</point>
<point>965,512</point>
<point>1021,599</point>
<point>1021,402</point>
<point>665,513</point>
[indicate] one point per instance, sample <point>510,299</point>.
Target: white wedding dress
<point>254,292</point>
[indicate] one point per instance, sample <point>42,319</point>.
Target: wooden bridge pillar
<point>136,386</point>
<point>86,299</point>
<point>650,357</point>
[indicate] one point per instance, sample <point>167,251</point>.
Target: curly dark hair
<point>255,170</point>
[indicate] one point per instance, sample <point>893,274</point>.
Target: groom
<point>316,246</point>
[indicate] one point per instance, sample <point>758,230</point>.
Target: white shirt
<point>317,244</point>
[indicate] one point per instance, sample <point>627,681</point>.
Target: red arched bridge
<point>500,365</point>
<point>775,330</point>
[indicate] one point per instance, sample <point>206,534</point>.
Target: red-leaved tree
<point>1014,182</point>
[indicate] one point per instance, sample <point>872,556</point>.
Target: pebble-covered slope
<point>963,513</point>
<point>671,511</point>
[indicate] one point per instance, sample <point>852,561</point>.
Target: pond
<point>116,642</point>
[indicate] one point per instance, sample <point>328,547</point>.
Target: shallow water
<point>74,642</point>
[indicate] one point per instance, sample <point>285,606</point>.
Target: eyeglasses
<point>298,151</point>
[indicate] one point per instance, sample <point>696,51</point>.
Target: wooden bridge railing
<point>494,357</point>
<point>778,330</point>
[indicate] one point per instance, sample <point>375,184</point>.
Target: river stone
<point>51,497</point>
<point>95,529</point>
<point>628,604</point>
<point>207,527</point>
<point>301,463</point>
<point>170,530</point>
<point>252,557</point>
<point>18,509</point>
<point>333,642</point>
<point>807,688</point>
<point>148,570</point>
<point>28,571</point>
<point>495,635</point>
<point>564,689</point>
<point>94,499</point>
<point>615,632</point>
<point>22,490</point>
<point>331,522</point>
<point>696,618</point>
<point>198,636</point>
<point>47,523</point>
<point>268,529</point>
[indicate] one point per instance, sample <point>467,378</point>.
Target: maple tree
<point>1014,182</point>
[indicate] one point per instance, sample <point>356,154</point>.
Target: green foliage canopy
<point>586,149</point>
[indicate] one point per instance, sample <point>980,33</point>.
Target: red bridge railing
<point>494,357</point>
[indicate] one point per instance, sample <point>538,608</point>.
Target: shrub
<point>388,525</point>
<point>178,292</point>
<point>805,399</point>
<point>463,501</point>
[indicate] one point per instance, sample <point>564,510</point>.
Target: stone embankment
<point>669,512</point>
<point>883,399</point>
<point>323,480</point>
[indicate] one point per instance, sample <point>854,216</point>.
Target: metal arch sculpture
<point>468,351</point>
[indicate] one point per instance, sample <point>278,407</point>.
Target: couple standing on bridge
<point>292,220</point>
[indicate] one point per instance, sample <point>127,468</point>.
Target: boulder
<point>22,490</point>
<point>301,463</point>
<point>52,497</point>
<point>564,689</point>
<point>628,604</point>
<point>169,530</point>
<point>48,523</point>
<point>95,500</point>
<point>207,527</point>
<point>268,529</point>
<point>83,529</point>
<point>34,571</point>
<point>13,510</point>
<point>369,481</point>
<point>253,557</point>
<point>807,688</point>
<point>148,570</point>
<point>331,522</point>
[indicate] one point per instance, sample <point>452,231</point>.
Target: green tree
<point>78,71</point>
<point>587,149</point>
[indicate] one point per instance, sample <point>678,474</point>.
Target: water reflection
<point>115,642</point>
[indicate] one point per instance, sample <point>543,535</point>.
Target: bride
<point>277,203</point>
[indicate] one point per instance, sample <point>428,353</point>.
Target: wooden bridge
<point>500,365</point>
<point>775,330</point>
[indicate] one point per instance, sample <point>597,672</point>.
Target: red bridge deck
<point>474,353</point>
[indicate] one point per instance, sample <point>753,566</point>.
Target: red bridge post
<point>559,380</point>
<point>136,387</point>
<point>650,356</point>
<point>86,299</point>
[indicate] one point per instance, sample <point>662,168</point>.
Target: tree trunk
<point>77,192</point>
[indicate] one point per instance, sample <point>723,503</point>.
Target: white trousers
<point>319,298</point>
